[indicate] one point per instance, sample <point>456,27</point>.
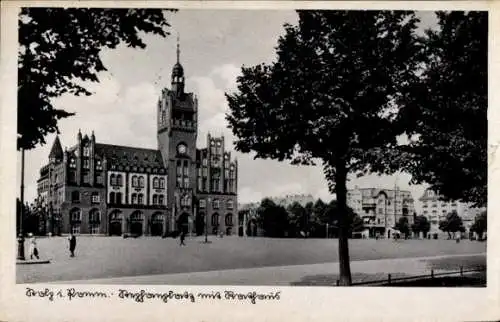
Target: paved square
<point>110,257</point>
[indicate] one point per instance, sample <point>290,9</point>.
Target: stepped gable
<point>131,156</point>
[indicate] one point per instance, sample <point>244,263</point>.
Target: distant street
<point>114,257</point>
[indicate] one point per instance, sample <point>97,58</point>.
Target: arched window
<point>112,180</point>
<point>141,182</point>
<point>76,215</point>
<point>75,196</point>
<point>156,183</point>
<point>215,220</point>
<point>140,199</point>
<point>112,197</point>
<point>137,216</point>
<point>162,183</point>
<point>134,198</point>
<point>229,220</point>
<point>134,181</point>
<point>94,221</point>
<point>161,200</point>
<point>119,181</point>
<point>94,216</point>
<point>118,198</point>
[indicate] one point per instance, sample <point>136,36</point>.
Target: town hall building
<point>104,189</point>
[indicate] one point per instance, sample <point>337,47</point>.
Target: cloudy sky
<point>214,46</point>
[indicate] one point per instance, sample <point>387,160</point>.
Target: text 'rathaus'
<point>94,188</point>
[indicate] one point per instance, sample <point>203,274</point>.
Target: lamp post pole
<point>20,239</point>
<point>206,221</point>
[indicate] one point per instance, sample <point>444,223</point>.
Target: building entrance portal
<point>157,224</point>
<point>115,224</point>
<point>136,223</point>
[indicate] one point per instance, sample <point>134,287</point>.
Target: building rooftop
<point>125,155</point>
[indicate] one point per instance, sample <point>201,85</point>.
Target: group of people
<point>33,247</point>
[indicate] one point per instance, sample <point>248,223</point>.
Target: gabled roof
<point>56,151</point>
<point>132,156</point>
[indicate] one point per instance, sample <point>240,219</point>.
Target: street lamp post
<point>206,221</point>
<point>20,239</point>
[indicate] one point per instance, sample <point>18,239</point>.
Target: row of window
<point>86,177</point>
<point>136,199</point>
<point>216,204</point>
<point>86,164</point>
<point>137,182</point>
<point>434,212</point>
<point>434,205</point>
<point>216,217</point>
<point>94,197</point>
<point>76,216</point>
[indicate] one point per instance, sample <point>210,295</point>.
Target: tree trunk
<point>341,192</point>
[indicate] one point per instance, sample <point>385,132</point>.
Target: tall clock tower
<point>177,132</point>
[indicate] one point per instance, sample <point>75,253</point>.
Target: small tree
<point>274,218</point>
<point>452,224</point>
<point>403,226</point>
<point>480,224</point>
<point>421,224</point>
<point>297,218</point>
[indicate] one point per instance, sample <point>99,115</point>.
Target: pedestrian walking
<point>182,238</point>
<point>33,250</point>
<point>72,245</point>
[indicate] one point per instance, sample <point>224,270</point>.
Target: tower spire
<point>178,48</point>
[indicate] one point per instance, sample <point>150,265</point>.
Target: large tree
<point>329,96</point>
<point>59,50</point>
<point>447,109</point>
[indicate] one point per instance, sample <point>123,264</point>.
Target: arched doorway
<point>136,223</point>
<point>183,222</point>
<point>115,223</point>
<point>200,224</point>
<point>215,223</point>
<point>157,221</point>
<point>229,224</point>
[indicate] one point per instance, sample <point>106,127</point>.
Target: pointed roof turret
<point>177,70</point>
<point>56,152</point>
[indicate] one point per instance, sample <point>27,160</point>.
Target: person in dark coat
<point>72,244</point>
<point>183,237</point>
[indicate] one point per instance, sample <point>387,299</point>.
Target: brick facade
<point>103,189</point>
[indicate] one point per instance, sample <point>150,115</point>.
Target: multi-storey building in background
<point>95,188</point>
<point>381,209</point>
<point>435,209</point>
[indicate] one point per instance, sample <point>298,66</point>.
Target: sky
<point>214,45</point>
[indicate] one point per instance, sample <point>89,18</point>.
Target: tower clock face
<point>181,148</point>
